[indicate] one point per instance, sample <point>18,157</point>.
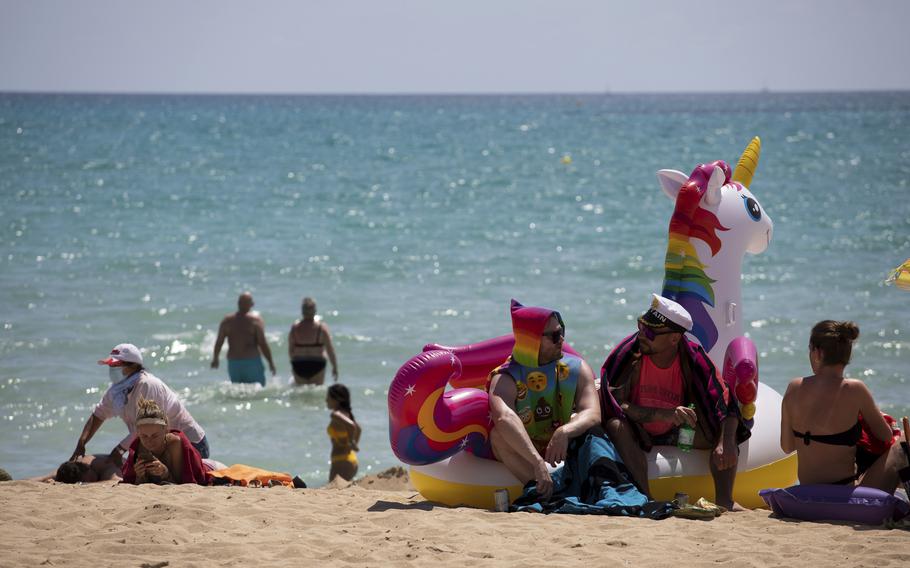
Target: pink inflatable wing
<point>427,424</point>
<point>479,359</point>
<point>741,369</point>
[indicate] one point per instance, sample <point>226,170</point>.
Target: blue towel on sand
<point>593,481</point>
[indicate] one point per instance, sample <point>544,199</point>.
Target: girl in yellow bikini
<point>343,431</point>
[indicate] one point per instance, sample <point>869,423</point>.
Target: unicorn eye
<point>752,208</point>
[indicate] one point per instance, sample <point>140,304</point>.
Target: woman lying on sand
<point>820,418</point>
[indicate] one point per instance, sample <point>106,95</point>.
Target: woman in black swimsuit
<point>820,416</point>
<point>309,342</point>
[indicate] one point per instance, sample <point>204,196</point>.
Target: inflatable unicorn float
<point>444,434</point>
<point>716,220</point>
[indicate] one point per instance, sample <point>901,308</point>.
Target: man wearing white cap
<point>131,382</point>
<point>647,384</point>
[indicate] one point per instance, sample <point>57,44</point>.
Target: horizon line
<point>763,91</point>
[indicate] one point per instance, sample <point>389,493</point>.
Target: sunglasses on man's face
<point>649,332</point>
<point>556,335</point>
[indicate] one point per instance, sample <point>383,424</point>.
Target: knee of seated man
<point>702,442</point>
<point>898,457</point>
<point>498,444</point>
<point>612,426</point>
<point>495,437</point>
<point>617,427</point>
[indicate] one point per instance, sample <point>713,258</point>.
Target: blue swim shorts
<point>246,371</point>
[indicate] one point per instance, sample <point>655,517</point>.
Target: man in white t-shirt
<point>130,382</point>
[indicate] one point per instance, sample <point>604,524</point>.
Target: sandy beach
<point>379,521</point>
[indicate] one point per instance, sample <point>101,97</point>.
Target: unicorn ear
<point>718,177</point>
<point>671,181</point>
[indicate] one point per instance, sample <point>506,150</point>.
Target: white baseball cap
<point>123,353</point>
<point>664,311</point>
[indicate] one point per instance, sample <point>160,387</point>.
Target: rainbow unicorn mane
<point>685,280</point>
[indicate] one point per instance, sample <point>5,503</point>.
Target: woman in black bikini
<point>308,344</point>
<point>820,417</point>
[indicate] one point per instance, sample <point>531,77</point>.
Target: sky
<point>454,46</point>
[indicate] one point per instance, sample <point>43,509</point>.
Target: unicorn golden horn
<point>745,168</point>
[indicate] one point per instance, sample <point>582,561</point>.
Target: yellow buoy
<point>900,276</point>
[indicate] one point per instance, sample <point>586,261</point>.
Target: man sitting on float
<point>533,397</point>
<point>647,384</point>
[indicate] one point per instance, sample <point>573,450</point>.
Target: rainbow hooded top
<point>528,323</point>
<point>545,395</point>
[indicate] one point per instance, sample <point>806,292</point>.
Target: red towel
<point>869,448</point>
<point>869,443</point>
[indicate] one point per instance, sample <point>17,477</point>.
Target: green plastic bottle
<point>686,435</point>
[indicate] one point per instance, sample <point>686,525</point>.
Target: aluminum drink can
<point>682,499</point>
<point>501,500</point>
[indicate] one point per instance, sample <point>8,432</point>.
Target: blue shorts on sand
<point>246,371</point>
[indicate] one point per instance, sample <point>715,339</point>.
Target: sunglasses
<point>649,332</point>
<point>556,335</point>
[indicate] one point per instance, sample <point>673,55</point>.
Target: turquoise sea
<point>410,220</point>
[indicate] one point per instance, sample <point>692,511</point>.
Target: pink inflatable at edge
<point>741,373</point>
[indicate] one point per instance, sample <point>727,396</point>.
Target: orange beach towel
<point>240,474</point>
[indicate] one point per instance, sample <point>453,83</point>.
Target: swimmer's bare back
<point>242,332</point>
